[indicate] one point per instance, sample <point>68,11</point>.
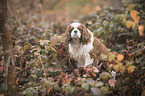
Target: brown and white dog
<point>83,46</point>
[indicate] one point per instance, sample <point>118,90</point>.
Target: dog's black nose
<point>75,31</point>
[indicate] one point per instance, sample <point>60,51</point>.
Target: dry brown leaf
<point>141,29</point>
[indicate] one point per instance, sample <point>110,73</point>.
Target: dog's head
<point>77,31</point>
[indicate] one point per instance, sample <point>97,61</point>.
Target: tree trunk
<point>9,60</point>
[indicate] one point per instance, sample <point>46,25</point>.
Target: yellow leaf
<point>116,68</point>
<point>61,39</point>
<point>103,56</point>
<point>133,14</point>
<point>141,29</point>
<point>111,57</point>
<point>131,68</point>
<point>128,23</point>
<point>120,57</point>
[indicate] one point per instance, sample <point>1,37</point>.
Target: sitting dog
<point>83,46</point>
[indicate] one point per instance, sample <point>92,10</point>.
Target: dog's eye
<point>71,29</point>
<point>79,29</point>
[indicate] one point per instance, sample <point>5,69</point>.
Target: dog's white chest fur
<point>81,52</point>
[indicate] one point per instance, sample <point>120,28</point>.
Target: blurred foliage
<point>44,66</point>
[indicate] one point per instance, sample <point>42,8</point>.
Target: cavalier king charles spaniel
<point>83,46</point>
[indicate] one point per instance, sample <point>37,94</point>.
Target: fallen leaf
<point>105,76</point>
<point>96,91</point>
<point>61,39</point>
<point>68,88</point>
<point>141,30</point>
<point>99,83</point>
<point>104,89</point>
<point>89,72</point>
<point>110,67</point>
<point>131,68</point>
<point>120,65</point>
<point>95,69</point>
<point>112,83</point>
<point>53,41</point>
<point>85,86</point>
<point>128,23</point>
<point>103,56</point>
<point>120,57</point>
<point>136,20</point>
<point>129,63</point>
<point>122,69</point>
<point>133,14</point>
<point>90,81</point>
<point>116,68</point>
<point>111,57</point>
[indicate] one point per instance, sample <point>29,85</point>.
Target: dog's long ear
<point>85,34</point>
<point>67,33</point>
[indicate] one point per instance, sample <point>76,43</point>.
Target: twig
<point>29,64</point>
<point>53,48</point>
<point>9,9</point>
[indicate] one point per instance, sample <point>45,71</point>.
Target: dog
<point>82,45</point>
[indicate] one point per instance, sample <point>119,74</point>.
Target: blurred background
<point>56,11</point>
